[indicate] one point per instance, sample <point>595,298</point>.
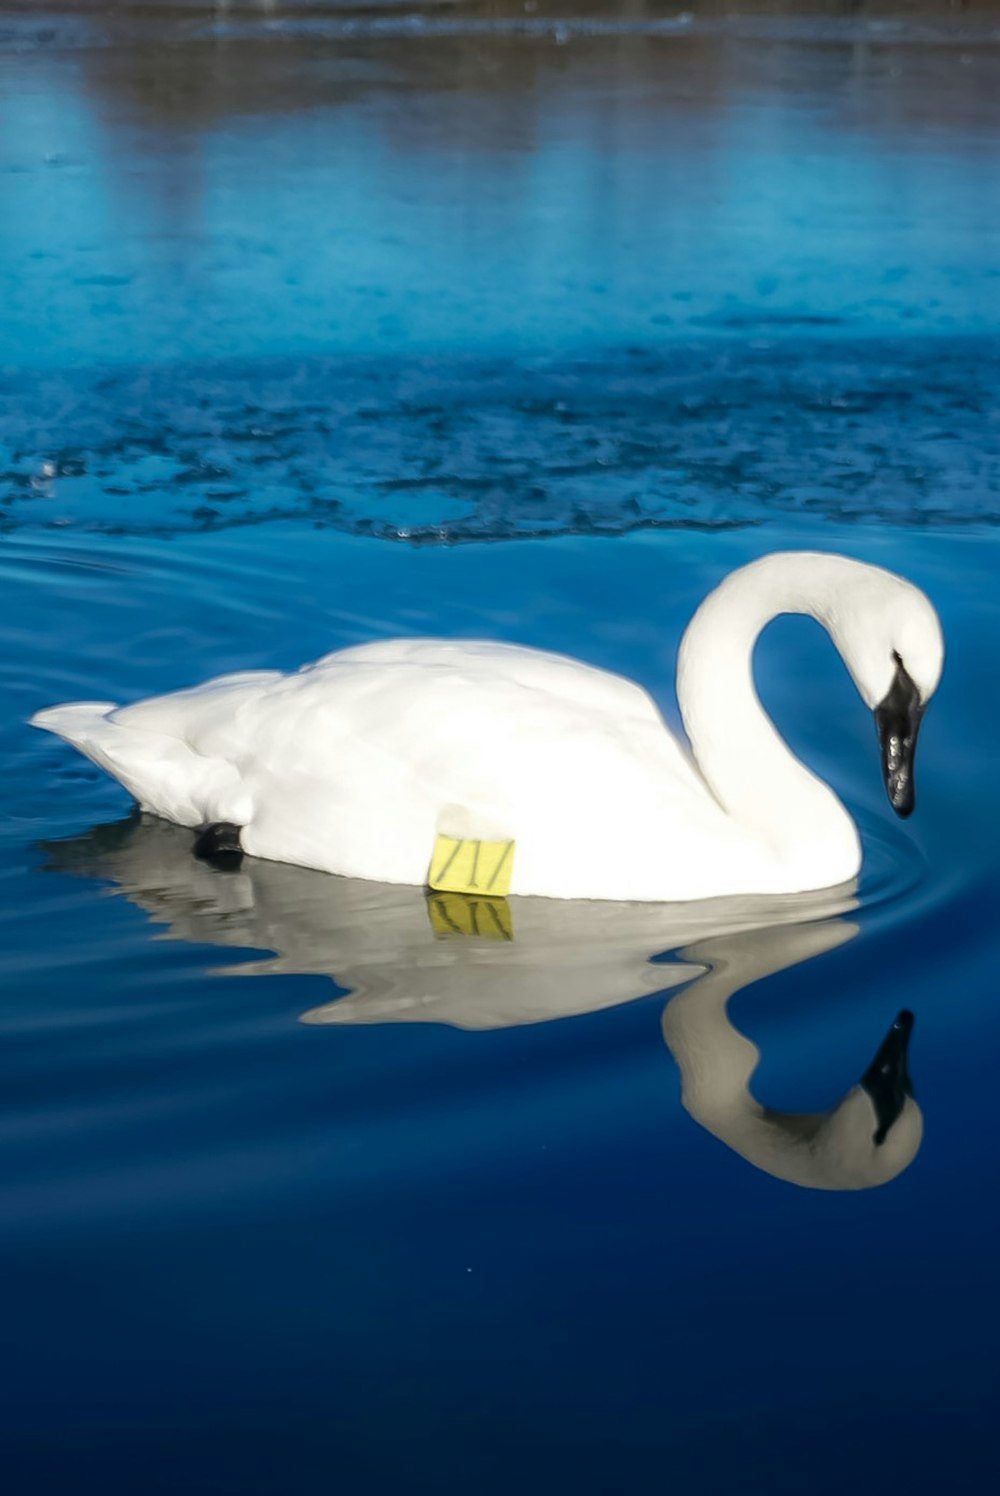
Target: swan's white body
<point>354,765</point>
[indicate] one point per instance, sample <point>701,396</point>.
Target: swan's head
<point>891,641</point>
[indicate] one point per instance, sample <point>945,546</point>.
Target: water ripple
<point>432,450</point>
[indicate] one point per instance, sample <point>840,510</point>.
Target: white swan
<point>357,764</point>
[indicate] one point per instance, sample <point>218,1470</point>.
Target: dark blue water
<point>622,308</point>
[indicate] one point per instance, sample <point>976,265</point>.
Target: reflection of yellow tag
<point>458,914</point>
<point>465,866</point>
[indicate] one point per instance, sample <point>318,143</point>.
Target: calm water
<point>275,292</point>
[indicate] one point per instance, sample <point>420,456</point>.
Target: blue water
<point>621,306</point>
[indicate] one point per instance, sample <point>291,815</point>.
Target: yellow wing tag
<point>462,914</point>
<point>465,866</point>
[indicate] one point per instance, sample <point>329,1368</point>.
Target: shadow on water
<point>402,955</point>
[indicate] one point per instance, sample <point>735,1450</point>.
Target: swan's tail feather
<point>163,773</point>
<point>86,725</point>
<point>74,720</point>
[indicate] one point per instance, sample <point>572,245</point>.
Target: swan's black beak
<point>887,1080</point>
<point>897,721</point>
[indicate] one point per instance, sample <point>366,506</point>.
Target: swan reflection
<point>867,1139</point>
<point>404,956</point>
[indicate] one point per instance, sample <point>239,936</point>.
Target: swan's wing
<point>360,762</point>
<point>485,661</point>
<point>197,711</point>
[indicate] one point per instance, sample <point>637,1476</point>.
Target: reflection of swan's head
<point>868,1138</point>
<point>844,1153</point>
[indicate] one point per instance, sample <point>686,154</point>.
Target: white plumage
<point>354,765</point>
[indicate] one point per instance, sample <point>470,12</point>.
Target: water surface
<point>623,304</point>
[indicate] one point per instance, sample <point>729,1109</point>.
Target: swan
<point>368,761</point>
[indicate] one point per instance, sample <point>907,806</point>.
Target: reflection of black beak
<point>886,1080</point>
<point>897,721</point>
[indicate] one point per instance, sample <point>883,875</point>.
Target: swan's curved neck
<point>746,764</point>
